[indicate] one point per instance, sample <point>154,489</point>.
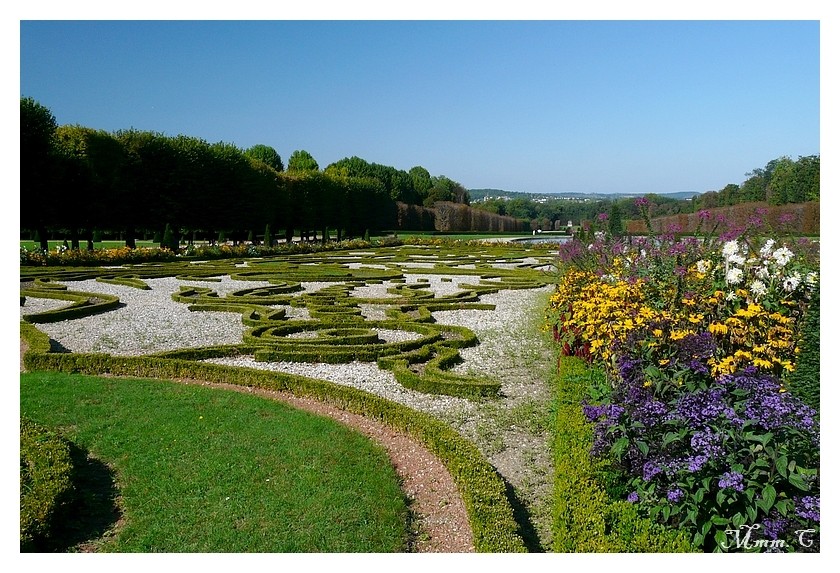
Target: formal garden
<point>606,394</point>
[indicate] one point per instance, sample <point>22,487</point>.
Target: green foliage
<point>266,154</point>
<point>614,225</point>
<point>804,382</point>
<point>169,241</point>
<point>301,160</point>
<point>45,482</point>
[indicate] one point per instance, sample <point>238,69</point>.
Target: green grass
<point>208,470</point>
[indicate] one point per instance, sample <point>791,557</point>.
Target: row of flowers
<point>697,337</point>
<point>62,256</point>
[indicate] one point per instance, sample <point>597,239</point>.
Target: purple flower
<point>641,202</point>
<point>808,507</point>
<point>696,463</point>
<point>731,234</point>
<point>773,528</point>
<point>732,480</point>
<point>675,495</point>
<point>633,497</point>
<point>704,214</point>
<point>649,470</point>
<point>770,408</point>
<point>785,218</point>
<point>603,217</point>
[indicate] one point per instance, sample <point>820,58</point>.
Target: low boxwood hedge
<point>46,484</point>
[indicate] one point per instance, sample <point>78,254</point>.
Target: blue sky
<point>535,106</point>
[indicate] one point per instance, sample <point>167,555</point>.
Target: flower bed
<point>698,338</point>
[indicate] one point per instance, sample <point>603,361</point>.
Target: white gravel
<point>362,375</point>
<point>34,305</point>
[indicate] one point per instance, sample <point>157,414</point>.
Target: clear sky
<point>534,106</point>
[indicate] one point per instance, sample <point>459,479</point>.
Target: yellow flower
<point>718,328</point>
<point>657,332</point>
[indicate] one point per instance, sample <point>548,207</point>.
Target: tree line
<point>781,181</point>
<point>76,180</point>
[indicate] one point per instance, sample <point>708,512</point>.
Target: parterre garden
<point>629,410</point>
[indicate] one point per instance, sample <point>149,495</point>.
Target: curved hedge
<point>46,483</point>
<point>81,304</point>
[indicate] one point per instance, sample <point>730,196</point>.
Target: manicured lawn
<point>208,470</point>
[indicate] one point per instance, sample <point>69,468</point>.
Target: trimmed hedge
<point>46,483</point>
<point>584,518</point>
<point>81,304</point>
<point>804,382</point>
<point>482,489</point>
<point>129,281</point>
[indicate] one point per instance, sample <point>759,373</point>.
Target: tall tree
<point>301,160</point>
<point>267,155</point>
<point>37,165</point>
<point>421,180</point>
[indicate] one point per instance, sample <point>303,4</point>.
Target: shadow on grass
<point>91,513</point>
<point>523,519</point>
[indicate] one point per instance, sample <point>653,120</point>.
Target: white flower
<point>737,259</point>
<point>730,248</point>
<point>642,253</point>
<point>758,288</point>
<point>600,235</point>
<point>793,281</point>
<point>730,296</point>
<point>767,248</point>
<point>702,267</point>
<point>811,279</point>
<point>734,276</point>
<point>782,256</point>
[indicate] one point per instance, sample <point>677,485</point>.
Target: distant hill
<point>482,194</point>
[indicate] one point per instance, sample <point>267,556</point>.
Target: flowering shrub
<point>696,336</point>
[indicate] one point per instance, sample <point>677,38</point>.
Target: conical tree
<point>268,240</point>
